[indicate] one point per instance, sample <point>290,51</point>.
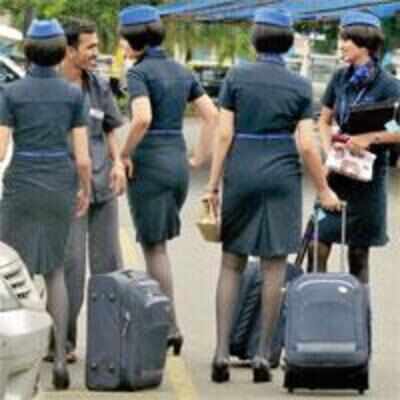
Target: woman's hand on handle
<point>329,200</point>
<point>212,197</point>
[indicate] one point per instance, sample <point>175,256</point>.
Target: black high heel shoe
<point>176,342</point>
<point>261,370</point>
<point>220,371</point>
<point>60,376</point>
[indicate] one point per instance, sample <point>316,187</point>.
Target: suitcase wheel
<point>290,390</point>
<point>93,366</point>
<point>111,368</point>
<point>361,391</point>
<point>112,297</point>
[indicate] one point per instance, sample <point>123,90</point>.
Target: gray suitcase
<point>327,337</point>
<point>128,324</point>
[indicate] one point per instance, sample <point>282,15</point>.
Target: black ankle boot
<point>220,371</point>
<point>176,342</point>
<point>261,370</point>
<point>60,376</point>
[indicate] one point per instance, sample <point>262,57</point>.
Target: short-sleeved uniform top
<point>159,189</point>
<point>366,210</point>
<point>262,200</point>
<point>40,183</point>
<point>104,116</point>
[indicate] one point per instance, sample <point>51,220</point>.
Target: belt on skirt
<point>164,132</point>
<point>51,154</point>
<point>264,135</point>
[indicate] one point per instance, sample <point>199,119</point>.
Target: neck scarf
<point>362,74</point>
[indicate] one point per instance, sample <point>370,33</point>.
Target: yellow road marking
<point>181,381</point>
<point>128,250</point>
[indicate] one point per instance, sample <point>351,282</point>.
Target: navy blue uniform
<point>367,203</point>
<point>262,198</point>
<point>159,189</point>
<point>97,232</point>
<point>40,183</point>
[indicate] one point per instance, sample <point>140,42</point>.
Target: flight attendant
<point>265,111</point>
<point>41,190</point>
<point>155,151</point>
<point>363,81</point>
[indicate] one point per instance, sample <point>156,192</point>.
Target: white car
<point>24,329</point>
<point>9,71</point>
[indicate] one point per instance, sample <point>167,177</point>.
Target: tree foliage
<point>103,12</point>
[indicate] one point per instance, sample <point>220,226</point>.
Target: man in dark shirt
<point>99,228</point>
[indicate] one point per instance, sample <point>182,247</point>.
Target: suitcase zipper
<point>319,281</point>
<point>127,318</point>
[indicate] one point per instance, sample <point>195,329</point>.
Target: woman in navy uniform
<point>40,184</point>
<point>362,81</point>
<point>159,90</point>
<point>263,105</point>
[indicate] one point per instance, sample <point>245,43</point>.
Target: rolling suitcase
<point>246,324</point>
<point>128,324</point>
<point>327,338</point>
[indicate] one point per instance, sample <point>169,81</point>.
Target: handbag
<point>208,223</point>
<point>358,167</point>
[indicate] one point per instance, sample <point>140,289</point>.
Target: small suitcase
<point>328,333</point>
<point>128,324</point>
<point>246,324</point>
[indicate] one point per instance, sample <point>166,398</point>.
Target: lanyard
<point>344,107</point>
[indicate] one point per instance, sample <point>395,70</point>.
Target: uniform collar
<point>39,71</point>
<point>89,81</point>
<point>155,52</point>
<point>272,58</point>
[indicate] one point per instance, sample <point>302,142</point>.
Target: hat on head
<point>136,15</point>
<point>360,18</point>
<point>44,29</point>
<point>273,16</point>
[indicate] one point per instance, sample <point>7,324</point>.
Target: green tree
<point>103,12</point>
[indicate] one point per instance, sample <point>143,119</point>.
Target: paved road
<point>196,267</point>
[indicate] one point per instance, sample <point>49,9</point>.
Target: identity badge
<point>321,214</point>
<point>96,113</point>
<point>392,126</point>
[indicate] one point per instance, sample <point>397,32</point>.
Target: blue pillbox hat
<point>273,16</point>
<point>360,18</point>
<point>136,15</point>
<point>44,29</point>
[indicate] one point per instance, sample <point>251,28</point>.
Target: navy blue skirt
<point>158,191</point>
<point>37,210</point>
<point>366,211</point>
<point>262,198</point>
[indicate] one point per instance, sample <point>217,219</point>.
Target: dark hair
<point>47,52</point>
<point>370,37</point>
<point>272,39</point>
<point>75,27</point>
<point>140,36</point>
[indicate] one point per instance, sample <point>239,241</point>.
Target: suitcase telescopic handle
<point>342,237</point>
<point>305,242</point>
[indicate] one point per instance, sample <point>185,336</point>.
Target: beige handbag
<point>208,223</point>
